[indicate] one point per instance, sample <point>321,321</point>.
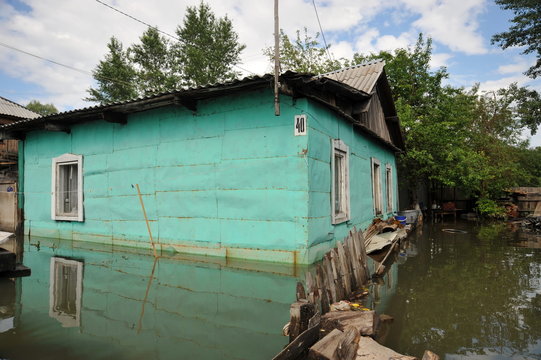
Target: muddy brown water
<point>473,295</point>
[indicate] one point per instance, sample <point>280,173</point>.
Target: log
<point>366,322</point>
<point>429,355</point>
<point>325,348</point>
<point>369,349</point>
<point>300,313</point>
<point>347,347</point>
<point>337,345</point>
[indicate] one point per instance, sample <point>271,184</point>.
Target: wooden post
<point>276,60</point>
<point>301,293</point>
<point>146,219</point>
<point>300,313</point>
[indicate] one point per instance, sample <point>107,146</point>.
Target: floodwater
<point>473,295</point>
<point>85,301</point>
<point>466,296</point>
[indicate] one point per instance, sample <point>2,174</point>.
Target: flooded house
<point>9,213</point>
<point>219,173</point>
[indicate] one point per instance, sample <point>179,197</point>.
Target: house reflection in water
<point>65,291</point>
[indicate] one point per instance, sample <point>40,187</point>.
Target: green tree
<point>208,48</point>
<point>152,61</point>
<point>525,31</point>
<point>454,137</point>
<point>42,109</point>
<point>114,75</point>
<point>530,159</point>
<point>304,55</point>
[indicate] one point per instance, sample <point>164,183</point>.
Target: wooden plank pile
<point>317,331</point>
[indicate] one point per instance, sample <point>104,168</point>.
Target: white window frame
<point>67,159</point>
<point>340,149</point>
<point>376,186</point>
<point>67,320</point>
<point>389,187</point>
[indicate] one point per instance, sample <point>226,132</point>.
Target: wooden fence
<point>342,271</point>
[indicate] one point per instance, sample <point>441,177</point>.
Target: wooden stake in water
<point>146,219</point>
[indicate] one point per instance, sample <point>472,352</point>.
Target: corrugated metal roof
<point>12,109</point>
<point>138,99</point>
<point>362,77</point>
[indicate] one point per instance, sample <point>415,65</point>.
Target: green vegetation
<point>42,109</point>
<point>526,30</point>
<point>490,208</point>
<point>206,52</point>
<point>454,137</point>
<point>304,55</point>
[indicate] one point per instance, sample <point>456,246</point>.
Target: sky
<point>75,33</point>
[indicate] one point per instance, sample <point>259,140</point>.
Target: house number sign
<point>300,125</point>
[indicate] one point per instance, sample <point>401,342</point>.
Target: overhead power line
<point>163,32</point>
<point>85,72</point>
<point>322,33</point>
<point>138,20</point>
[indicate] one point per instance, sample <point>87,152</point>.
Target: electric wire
<point>138,20</point>
<point>85,72</point>
<point>320,29</point>
<point>163,32</point>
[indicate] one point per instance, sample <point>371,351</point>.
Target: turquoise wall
<point>323,127</point>
<point>229,178</point>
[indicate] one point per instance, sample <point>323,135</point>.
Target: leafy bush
<point>490,208</point>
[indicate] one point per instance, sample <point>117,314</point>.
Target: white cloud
<point>492,85</point>
<point>342,49</point>
<point>450,22</point>
<point>519,66</point>
<point>76,32</point>
<point>391,42</point>
<point>440,59</point>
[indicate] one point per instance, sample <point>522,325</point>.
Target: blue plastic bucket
<point>402,219</point>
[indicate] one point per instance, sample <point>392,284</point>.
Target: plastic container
<point>400,218</point>
<point>411,215</point>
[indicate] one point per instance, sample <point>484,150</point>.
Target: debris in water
<point>454,231</point>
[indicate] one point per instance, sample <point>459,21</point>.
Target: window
<point>389,187</point>
<point>67,188</point>
<point>376,186</point>
<point>65,291</point>
<point>340,182</point>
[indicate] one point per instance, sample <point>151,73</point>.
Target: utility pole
<point>276,61</point>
